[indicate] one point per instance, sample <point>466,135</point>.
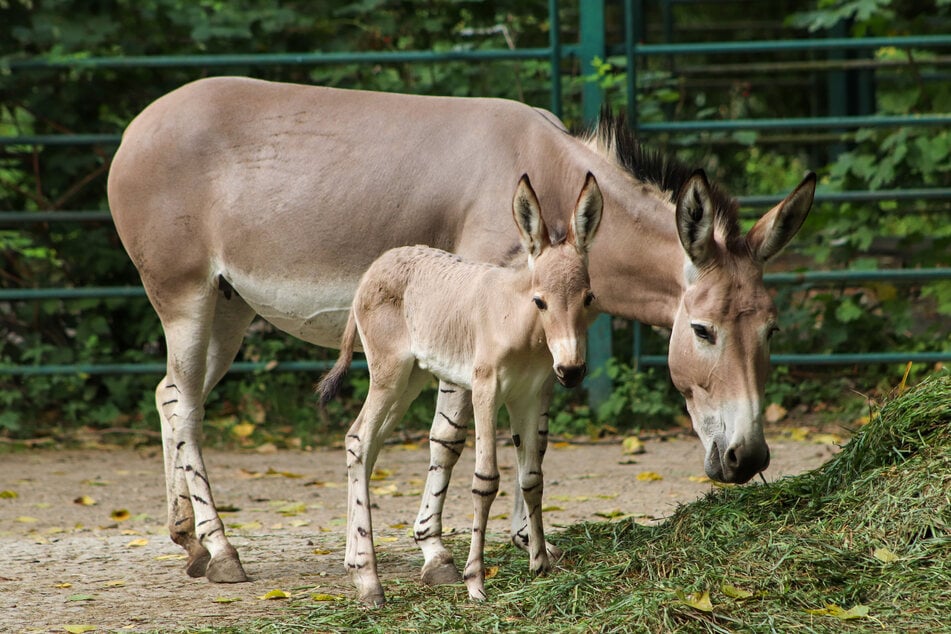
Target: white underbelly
<point>316,313</point>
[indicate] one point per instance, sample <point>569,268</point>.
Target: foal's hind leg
<point>383,408</point>
<point>447,438</point>
<point>198,357</point>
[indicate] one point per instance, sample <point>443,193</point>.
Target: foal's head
<point>719,344</point>
<point>561,290</point>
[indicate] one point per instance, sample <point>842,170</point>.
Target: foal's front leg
<point>485,481</point>
<point>520,518</point>
<point>524,414</point>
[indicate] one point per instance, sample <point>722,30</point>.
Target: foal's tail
<point>329,385</point>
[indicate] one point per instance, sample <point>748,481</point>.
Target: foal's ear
<point>695,219</point>
<point>776,228</point>
<point>587,215</point>
<point>528,218</point>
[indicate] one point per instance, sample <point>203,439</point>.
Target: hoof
<point>226,568</point>
<point>440,571</point>
<point>198,563</point>
<point>554,553</point>
<point>371,594</point>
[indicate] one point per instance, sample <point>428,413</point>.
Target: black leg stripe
<point>486,477</point>
<point>452,422</point>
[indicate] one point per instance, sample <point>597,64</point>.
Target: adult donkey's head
<point>719,343</point>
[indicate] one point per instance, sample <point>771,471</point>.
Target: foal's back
<point>445,312</point>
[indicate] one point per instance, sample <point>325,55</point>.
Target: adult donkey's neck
<point>638,266</point>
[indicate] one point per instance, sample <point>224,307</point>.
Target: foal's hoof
<point>371,594</point>
<point>226,568</point>
<point>198,563</point>
<point>440,571</point>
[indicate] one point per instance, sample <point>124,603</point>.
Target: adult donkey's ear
<point>695,219</point>
<point>528,218</point>
<point>776,228</point>
<point>587,215</point>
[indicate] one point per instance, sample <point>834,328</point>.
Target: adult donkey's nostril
<point>570,375</point>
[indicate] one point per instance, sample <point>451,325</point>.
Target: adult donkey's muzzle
<point>737,463</point>
<point>570,375</point>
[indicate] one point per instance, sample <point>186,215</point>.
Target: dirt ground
<point>83,541</point>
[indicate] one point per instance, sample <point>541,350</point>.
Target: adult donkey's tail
<point>330,384</point>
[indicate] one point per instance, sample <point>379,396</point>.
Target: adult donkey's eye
<point>703,333</point>
<point>540,303</point>
<point>588,298</point>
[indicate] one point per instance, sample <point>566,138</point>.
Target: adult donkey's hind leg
<point>447,438</point>
<point>201,347</point>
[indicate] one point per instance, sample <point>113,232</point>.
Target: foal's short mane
<point>613,138</point>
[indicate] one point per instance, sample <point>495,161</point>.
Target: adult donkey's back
<point>237,197</point>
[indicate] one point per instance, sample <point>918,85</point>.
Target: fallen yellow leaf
<point>167,557</point>
<point>118,583</point>
<point>701,479</point>
<point>84,500</point>
<point>827,439</point>
<point>380,474</point>
<point>294,508</point>
<point>136,543</point>
<point>885,555</point>
<point>561,445</point>
<point>275,594</point>
<point>491,571</point>
<point>610,514</point>
<point>79,629</point>
<point>322,551</point>
<point>697,600</point>
<point>649,476</point>
<point>283,474</point>
<point>120,515</point>
<point>387,540</point>
<point>551,509</point>
<point>65,584</point>
<point>325,597</point>
<point>26,519</point>
<point>226,599</point>
<point>799,433</point>
<point>388,489</point>
<point>857,611</point>
<point>242,430</point>
<point>735,593</point>
<point>632,445</point>
<point>8,495</point>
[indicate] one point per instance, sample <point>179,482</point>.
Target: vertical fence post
<point>591,46</point>
<point>554,44</point>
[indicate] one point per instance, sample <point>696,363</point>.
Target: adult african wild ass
<point>236,197</point>
<point>495,331</point>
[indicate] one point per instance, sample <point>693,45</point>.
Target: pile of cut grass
<point>862,543</point>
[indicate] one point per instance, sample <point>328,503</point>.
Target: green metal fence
<point>592,43</point>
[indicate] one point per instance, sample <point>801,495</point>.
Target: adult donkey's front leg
<point>446,441</point>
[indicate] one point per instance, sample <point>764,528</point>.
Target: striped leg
<point>382,410</point>
<point>446,441</point>
<point>199,355</point>
<point>485,482</point>
<point>524,415</point>
<point>520,518</point>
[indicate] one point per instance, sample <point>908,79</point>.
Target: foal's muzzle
<point>570,375</point>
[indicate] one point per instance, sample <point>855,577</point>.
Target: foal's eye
<point>703,333</point>
<point>588,298</point>
<point>540,303</point>
<point>772,331</point>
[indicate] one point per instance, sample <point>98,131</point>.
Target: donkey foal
<point>496,331</point>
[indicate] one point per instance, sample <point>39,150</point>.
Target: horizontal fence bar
<point>286,59</point>
<point>654,360</point>
<point>159,368</point>
<point>804,277</point>
<point>894,275</point>
<point>869,195</point>
<point>857,358</point>
<point>824,44</point>
<point>796,123</point>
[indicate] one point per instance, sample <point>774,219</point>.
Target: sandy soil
<point>105,561</point>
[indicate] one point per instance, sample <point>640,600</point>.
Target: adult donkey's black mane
<point>665,172</point>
